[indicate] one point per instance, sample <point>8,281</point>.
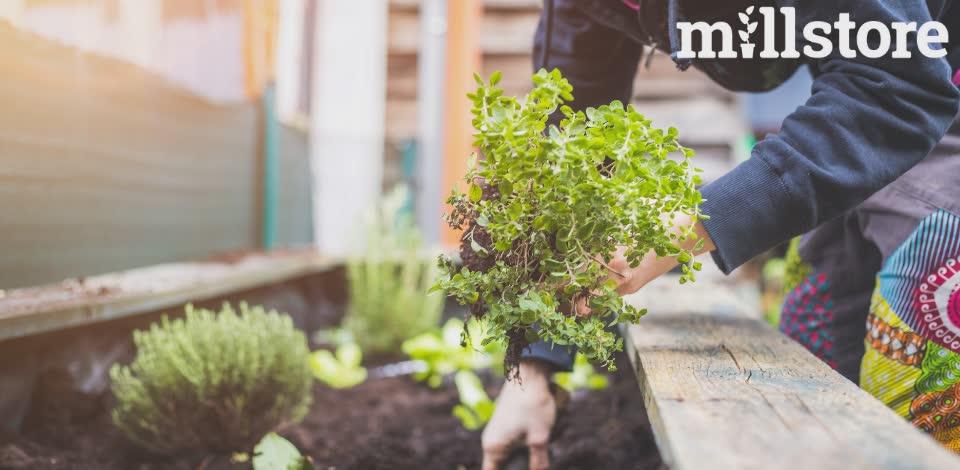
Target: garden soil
<point>392,423</point>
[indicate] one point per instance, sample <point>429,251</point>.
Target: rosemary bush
<point>546,209</point>
<point>388,284</point>
<point>212,382</point>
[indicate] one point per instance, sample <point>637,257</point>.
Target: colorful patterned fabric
<point>921,278</point>
<point>808,316</point>
<point>912,362</point>
<point>902,346</point>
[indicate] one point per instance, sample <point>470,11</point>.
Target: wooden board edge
<point>121,306</point>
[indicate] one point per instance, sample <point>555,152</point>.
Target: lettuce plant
<point>276,453</point>
<point>582,377</point>
<point>476,407</point>
<point>453,348</point>
<point>545,209</point>
<point>340,370</point>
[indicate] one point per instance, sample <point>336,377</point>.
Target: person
<point>876,274</point>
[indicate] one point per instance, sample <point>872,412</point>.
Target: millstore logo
<point>872,39</point>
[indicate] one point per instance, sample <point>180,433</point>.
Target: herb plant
<point>388,284</point>
<point>212,382</point>
<point>547,207</point>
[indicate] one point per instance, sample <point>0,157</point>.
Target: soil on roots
<point>392,423</point>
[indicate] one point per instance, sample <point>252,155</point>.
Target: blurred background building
<point>137,132</point>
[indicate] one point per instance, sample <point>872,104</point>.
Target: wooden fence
<point>105,167</point>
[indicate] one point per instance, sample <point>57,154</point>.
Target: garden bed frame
<point>723,389</point>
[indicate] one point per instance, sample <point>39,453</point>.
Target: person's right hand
<point>525,413</point>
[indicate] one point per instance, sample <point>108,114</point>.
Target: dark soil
<point>383,424</point>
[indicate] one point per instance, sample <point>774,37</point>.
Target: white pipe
<point>430,92</point>
<point>347,120</point>
<point>289,58</point>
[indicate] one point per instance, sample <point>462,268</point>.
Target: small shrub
<point>212,382</point>
<point>388,285</point>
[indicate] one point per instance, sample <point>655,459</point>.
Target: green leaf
<point>506,187</point>
<point>531,336</point>
<point>274,452</point>
<point>495,78</point>
<point>476,193</point>
<point>477,248</point>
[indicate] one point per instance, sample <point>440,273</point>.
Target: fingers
<point>539,455</point>
<point>493,456</point>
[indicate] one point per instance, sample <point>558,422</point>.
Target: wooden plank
<point>729,392</point>
<point>463,52</point>
<point>76,302</point>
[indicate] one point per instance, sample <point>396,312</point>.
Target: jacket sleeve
<point>600,62</point>
<point>867,122</point>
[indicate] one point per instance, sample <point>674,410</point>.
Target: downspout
<point>270,169</point>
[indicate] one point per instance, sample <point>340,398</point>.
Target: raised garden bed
<point>393,423</point>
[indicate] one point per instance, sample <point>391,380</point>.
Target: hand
<point>630,280</point>
<point>525,413</point>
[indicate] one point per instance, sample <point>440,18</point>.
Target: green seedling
<point>340,370</point>
<point>546,208</point>
<point>475,407</point>
<point>276,453</point>
<point>582,377</point>
<point>449,350</point>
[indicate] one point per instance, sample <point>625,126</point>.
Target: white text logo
<point>872,39</point>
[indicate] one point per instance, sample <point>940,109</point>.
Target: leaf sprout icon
<point>751,27</point>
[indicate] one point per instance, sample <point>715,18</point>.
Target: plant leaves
<point>476,193</point>
<point>274,452</point>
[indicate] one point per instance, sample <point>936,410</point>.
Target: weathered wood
<point>76,302</point>
<point>729,392</point>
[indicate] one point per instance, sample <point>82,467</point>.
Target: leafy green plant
<point>388,284</point>
<point>452,348</point>
<point>342,370</point>
<point>276,453</point>
<point>475,407</point>
<point>546,209</point>
<point>212,381</point>
<point>582,377</point>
